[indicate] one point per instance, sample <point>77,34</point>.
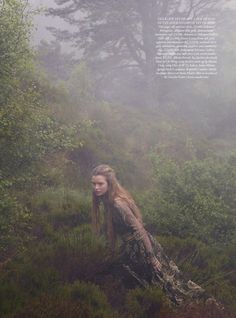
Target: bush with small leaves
<point>148,302</point>
<point>54,307</point>
<point>90,295</point>
<point>63,208</point>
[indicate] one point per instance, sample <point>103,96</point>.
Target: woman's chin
<point>99,194</point>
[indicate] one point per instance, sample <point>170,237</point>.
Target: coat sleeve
<point>135,227</point>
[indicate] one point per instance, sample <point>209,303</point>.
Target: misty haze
<point>118,159</point>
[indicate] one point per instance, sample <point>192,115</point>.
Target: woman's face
<point>99,184</point>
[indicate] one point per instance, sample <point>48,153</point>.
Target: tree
<point>57,64</point>
<point>194,198</point>
<point>118,35</point>
<point>15,115</point>
<point>27,132</point>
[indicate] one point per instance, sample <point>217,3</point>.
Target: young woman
<point>142,257</point>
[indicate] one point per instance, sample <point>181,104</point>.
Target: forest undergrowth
<point>179,163</point>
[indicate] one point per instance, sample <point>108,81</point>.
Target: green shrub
<point>54,307</point>
<point>212,267</point>
<point>77,300</point>
<point>195,198</point>
<point>12,297</point>
<point>73,253</point>
<point>78,254</point>
<point>63,208</point>
<point>92,296</point>
<point>14,225</point>
<point>24,280</point>
<point>145,303</point>
<point>80,240</point>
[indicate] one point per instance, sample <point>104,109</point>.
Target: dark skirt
<point>135,261</point>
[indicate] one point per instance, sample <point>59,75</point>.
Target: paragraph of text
<point>186,48</point>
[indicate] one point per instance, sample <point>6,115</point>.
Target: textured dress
<point>139,249</point>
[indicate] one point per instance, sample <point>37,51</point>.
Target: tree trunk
<point>148,13</point>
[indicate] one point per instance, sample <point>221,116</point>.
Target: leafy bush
<point>62,207</point>
<point>78,254</point>
<point>73,254</point>
<point>14,224</point>
<point>23,280</point>
<point>80,239</point>
<point>144,303</point>
<point>54,307</point>
<point>77,300</point>
<point>194,198</point>
<point>27,131</point>
<point>11,296</point>
<point>212,267</point>
<point>90,295</point>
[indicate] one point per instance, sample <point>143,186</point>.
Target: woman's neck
<point>104,199</point>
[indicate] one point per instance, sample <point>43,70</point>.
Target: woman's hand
<point>156,264</point>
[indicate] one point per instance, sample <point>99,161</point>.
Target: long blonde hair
<point>115,191</point>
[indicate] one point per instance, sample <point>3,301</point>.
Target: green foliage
<point>50,138</point>
<point>194,198</point>
<point>79,299</point>
<point>144,303</point>
<point>209,266</point>
<point>62,207</point>
<point>16,100</point>
<point>90,295</point>
<point>78,254</point>
<point>73,252</point>
<point>56,64</point>
<point>28,132</point>
<point>18,115</point>
<point>11,296</point>
<point>54,307</point>
<point>14,224</point>
<point>80,242</point>
<point>80,87</point>
<point>14,48</point>
<point>55,259</point>
<point>24,280</point>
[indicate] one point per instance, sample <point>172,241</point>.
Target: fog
<point>41,21</point>
<point>116,79</point>
<point>171,142</point>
